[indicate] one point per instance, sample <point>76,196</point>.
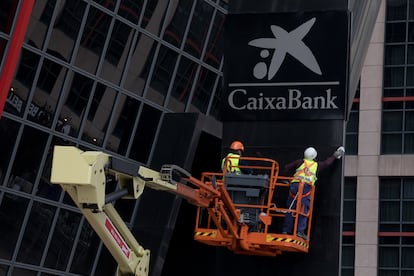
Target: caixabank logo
<point>289,66</point>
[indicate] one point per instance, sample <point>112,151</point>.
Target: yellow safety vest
<point>307,172</point>
<point>232,163</point>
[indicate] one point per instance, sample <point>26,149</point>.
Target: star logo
<point>284,43</point>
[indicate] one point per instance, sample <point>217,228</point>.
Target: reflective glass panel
<point>409,120</point>
<point>27,160</point>
<point>411,9</point>
<point>394,54</point>
<point>126,116</point>
<point>393,92</point>
<point>199,26</point>
<point>216,105</point>
<point>408,188</point>
<point>3,44</point>
<point>410,37</point>
<point>19,91</point>
<point>391,143</point>
<point>145,135</point>
<point>162,74</point>
<point>224,3</point>
<point>175,30</point>
<point>393,76</point>
<point>99,114</point>
<point>409,143</point>
<point>117,52</point>
<point>8,135</point>
<point>149,14</point>
<point>392,120</point>
<point>139,64</point>
<point>62,240</point>
<point>36,233</point>
<point>67,27</point>
<point>388,256</point>
<point>131,10</point>
<point>396,10</point>
<point>182,85</point>
<point>23,272</point>
<point>45,188</point>
<point>10,225</point>
<point>110,5</point>
<point>37,32</point>
<point>214,51</point>
<point>7,13</point>
<point>75,107</point>
<point>207,81</point>
<point>390,188</point>
<point>410,76</point>
<point>93,39</point>
<point>86,251</point>
<point>49,86</point>
<point>106,263</point>
<point>395,32</point>
<point>410,54</point>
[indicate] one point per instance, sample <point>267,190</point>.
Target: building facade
<point>378,201</point>
<point>102,75</point>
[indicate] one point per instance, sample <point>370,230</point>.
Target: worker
<point>232,162</point>
<point>307,170</point>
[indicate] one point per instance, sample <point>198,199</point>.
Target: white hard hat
<point>310,153</point>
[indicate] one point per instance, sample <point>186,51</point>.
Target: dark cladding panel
<point>285,142</point>
<point>155,221</point>
<point>264,6</point>
<point>175,141</point>
<point>286,66</point>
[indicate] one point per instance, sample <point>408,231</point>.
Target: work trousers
<point>291,202</point>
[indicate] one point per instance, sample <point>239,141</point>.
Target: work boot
<point>302,235</point>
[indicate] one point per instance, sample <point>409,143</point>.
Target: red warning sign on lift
<point>117,237</point>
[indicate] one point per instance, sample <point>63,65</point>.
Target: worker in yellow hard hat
<point>232,163</point>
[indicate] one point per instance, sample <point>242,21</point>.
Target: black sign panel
<point>286,66</point>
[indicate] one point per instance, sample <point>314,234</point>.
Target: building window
<point>49,74</point>
<point>118,41</point>
<point>145,135</point>
<point>79,93</point>
<point>348,226</point>
<point>96,30</point>
<point>47,12</point>
<point>398,93</point>
<point>396,223</point>
<point>125,123</point>
<point>97,97</point>
<point>27,69</point>
<point>352,126</point>
<point>200,23</point>
<point>175,30</point>
<point>7,13</point>
<point>70,19</point>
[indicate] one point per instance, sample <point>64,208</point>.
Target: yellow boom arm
<point>83,176</point>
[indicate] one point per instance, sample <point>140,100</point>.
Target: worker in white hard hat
<point>306,171</point>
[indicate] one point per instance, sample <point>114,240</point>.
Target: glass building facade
<point>99,75</point>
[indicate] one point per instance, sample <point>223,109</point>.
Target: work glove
<point>339,152</point>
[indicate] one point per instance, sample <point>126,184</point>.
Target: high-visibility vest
<point>306,172</point>
<point>232,163</point>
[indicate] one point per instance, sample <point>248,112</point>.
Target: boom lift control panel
<point>236,211</point>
